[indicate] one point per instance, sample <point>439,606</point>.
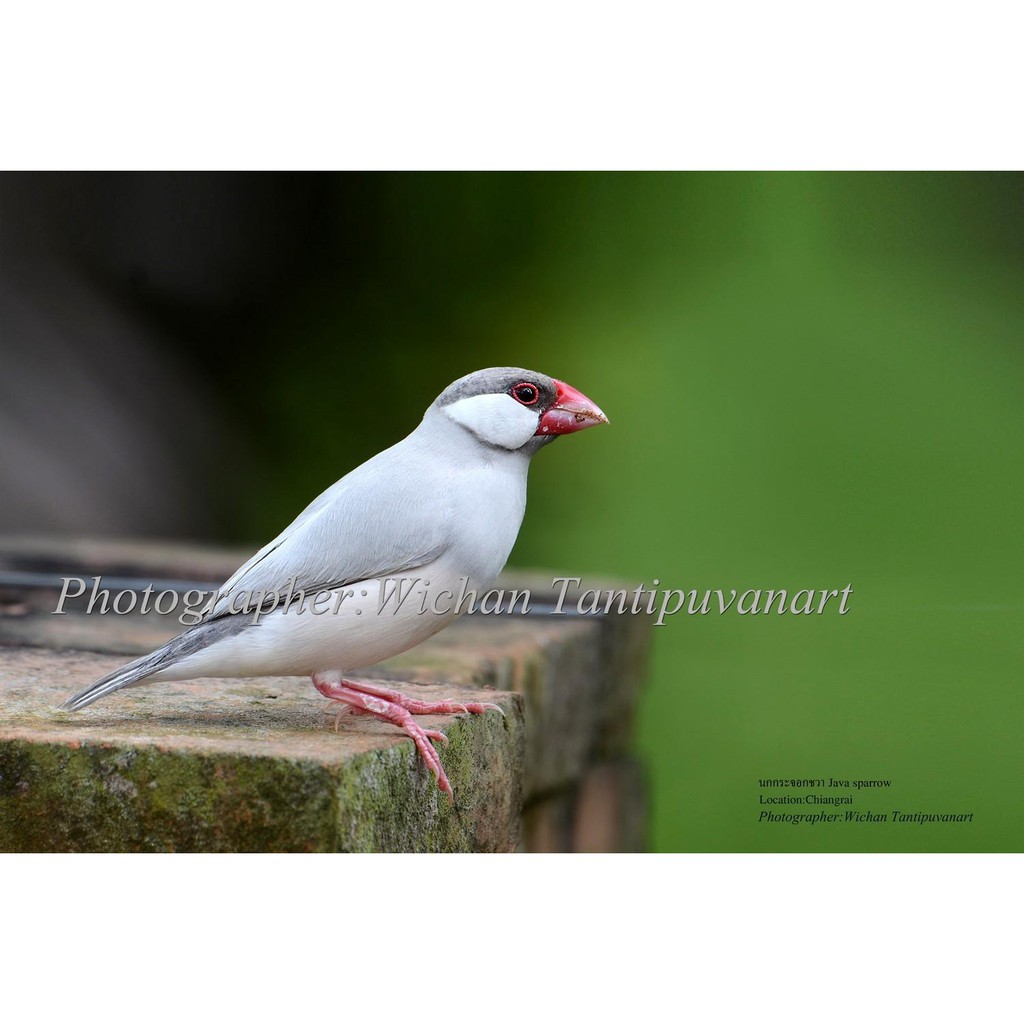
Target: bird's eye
<point>526,393</point>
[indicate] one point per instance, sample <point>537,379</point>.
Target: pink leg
<point>392,706</point>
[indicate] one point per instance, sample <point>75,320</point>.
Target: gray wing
<point>382,519</point>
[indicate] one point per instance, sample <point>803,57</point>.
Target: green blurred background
<point>812,380</point>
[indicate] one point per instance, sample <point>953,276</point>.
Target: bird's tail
<point>127,675</point>
<point>194,639</point>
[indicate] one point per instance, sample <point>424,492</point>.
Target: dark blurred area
<point>132,306</point>
<point>812,380</point>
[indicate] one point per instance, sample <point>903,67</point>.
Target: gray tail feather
<point>126,675</point>
<point>193,639</point>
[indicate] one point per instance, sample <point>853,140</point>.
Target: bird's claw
<point>420,736</point>
<point>478,709</point>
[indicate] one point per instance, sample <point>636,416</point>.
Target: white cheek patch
<point>496,419</point>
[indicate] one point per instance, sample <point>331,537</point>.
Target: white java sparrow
<point>441,507</point>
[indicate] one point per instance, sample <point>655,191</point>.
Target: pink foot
<point>423,707</point>
<point>392,706</point>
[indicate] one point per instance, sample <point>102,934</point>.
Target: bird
<point>438,512</point>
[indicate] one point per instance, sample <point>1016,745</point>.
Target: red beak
<point>572,411</point>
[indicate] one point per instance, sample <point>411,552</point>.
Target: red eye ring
<point>531,389</point>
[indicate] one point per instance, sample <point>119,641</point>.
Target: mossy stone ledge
<point>263,765</point>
